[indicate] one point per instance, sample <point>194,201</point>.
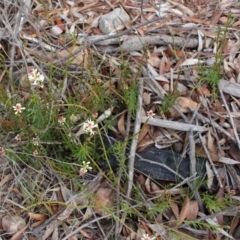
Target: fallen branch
<point>173,125</point>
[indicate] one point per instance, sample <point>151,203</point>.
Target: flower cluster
<point>88,126</point>
<point>18,108</point>
<point>35,78</point>
<point>85,167</point>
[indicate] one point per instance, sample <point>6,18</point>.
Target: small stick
<point>211,161</point>
<point>137,127</point>
<point>206,120</point>
<point>230,118</point>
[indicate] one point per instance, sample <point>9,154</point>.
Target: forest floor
<point>119,119</point>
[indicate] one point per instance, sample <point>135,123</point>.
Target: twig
<point>206,120</point>
<point>132,152</point>
<point>173,125</point>
<point>142,10</point>
<point>119,225</point>
<point>231,119</point>
<point>193,168</point>
<point>211,161</point>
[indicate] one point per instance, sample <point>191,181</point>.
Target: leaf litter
<point>181,58</point>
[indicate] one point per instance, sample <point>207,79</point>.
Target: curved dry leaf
<point>175,209</point>
<point>155,188</point>
<point>157,228</point>
<point>192,210</point>
<point>5,179</point>
<point>210,175</point>
<point>88,214</point>
<point>121,125</point>
<point>103,200</point>
<point>183,8</point>
<point>76,59</point>
<point>146,98</point>
<point>228,160</point>
<point>55,235</point>
<point>67,231</point>
<point>184,210</point>
<point>183,104</point>
<point>191,61</point>
<point>148,185</point>
<point>19,235</point>
<point>85,234</point>
<point>36,216</point>
<point>143,132</point>
<point>210,142</point>
<point>201,153</point>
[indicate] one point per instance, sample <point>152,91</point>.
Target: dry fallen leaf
<point>76,59</point>
<point>210,143</point>
<point>184,211</point>
<point>40,217</point>
<point>175,209</point>
<point>12,224</point>
<point>183,104</point>
<point>104,199</point>
<point>121,126</point>
<point>146,98</point>
<point>201,153</point>
<point>192,210</point>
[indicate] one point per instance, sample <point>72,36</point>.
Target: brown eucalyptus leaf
<point>192,210</point>
<point>103,200</point>
<point>146,98</point>
<point>39,217</point>
<point>210,143</point>
<point>184,211</point>
<point>199,151</point>
<point>175,209</point>
<point>121,125</point>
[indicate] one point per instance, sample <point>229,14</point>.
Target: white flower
<point>35,153</point>
<point>88,126</point>
<point>18,108</point>
<point>61,120</point>
<point>35,141</point>
<point>35,78</point>
<point>146,237</point>
<point>150,114</point>
<point>17,137</point>
<point>85,167</point>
